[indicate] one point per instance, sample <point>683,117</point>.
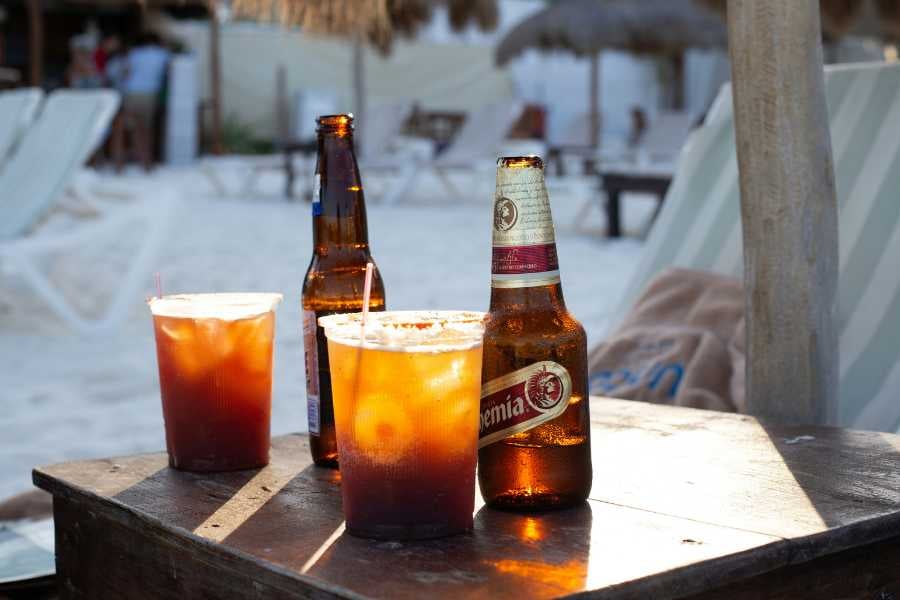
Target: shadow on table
<point>184,499</point>
<point>845,475</point>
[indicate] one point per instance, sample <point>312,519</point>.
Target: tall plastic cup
<point>406,392</point>
<point>215,376</point>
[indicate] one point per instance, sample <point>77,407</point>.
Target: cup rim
<point>214,305</point>
<point>408,330</point>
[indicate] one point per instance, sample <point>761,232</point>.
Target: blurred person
<point>81,72</point>
<point>106,49</point>
<point>142,83</point>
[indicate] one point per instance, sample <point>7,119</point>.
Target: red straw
<point>367,292</point>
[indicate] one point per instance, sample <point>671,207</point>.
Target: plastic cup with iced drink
<point>215,375</point>
<point>406,390</point>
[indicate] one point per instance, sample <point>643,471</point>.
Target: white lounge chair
<point>480,139</point>
<point>17,109</point>
<point>382,128</point>
<point>699,227</point>
<point>69,128</point>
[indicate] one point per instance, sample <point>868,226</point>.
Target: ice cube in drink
<point>406,413</point>
<point>215,374</point>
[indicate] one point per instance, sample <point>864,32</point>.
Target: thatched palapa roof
<point>586,27</point>
<point>378,20</point>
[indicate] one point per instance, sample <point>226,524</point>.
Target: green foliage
<point>242,138</point>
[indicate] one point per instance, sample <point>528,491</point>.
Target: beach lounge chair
<point>699,227</point>
<point>382,128</point>
<point>59,142</point>
<point>480,139</point>
<point>17,109</point>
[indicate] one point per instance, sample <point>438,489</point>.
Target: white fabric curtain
<point>440,77</point>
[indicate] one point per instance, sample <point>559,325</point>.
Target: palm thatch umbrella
<point>587,27</point>
<point>889,10</point>
<point>374,21</point>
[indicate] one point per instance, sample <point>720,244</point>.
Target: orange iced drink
<point>406,397</point>
<point>215,376</point>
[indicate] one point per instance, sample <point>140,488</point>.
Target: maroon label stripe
<point>518,260</point>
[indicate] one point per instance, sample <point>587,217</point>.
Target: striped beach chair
<point>700,227</point>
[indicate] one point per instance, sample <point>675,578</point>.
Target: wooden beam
<point>788,208</point>
<point>215,77</point>
<point>35,43</point>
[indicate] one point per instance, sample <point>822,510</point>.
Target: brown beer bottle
<point>336,275</point>
<point>534,447</point>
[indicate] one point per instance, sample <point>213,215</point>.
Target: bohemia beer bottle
<point>534,447</point>
<point>336,275</point>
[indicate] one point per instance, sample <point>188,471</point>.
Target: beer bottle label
<point>522,400</point>
<point>311,355</point>
<point>317,195</point>
<point>524,246</point>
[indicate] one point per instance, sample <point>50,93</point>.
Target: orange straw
<point>367,292</point>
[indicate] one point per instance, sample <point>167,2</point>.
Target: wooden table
<point>685,503</point>
<point>617,182</point>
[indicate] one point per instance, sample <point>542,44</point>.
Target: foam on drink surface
<point>408,331</point>
<point>224,307</point>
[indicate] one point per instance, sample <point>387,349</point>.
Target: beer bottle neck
<point>542,298</point>
<point>524,264</point>
<point>339,208</point>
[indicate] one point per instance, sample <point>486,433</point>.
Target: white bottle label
<point>311,354</point>
<point>524,246</point>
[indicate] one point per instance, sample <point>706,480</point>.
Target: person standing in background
<point>81,72</point>
<point>145,71</point>
<point>106,49</point>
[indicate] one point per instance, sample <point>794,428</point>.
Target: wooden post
<point>35,43</point>
<point>594,99</point>
<point>677,61</point>
<point>282,106</point>
<point>788,207</point>
<point>215,77</point>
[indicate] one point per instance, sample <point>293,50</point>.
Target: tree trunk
<point>35,43</point>
<point>359,87</point>
<point>788,207</point>
<point>594,100</point>
<point>215,77</point>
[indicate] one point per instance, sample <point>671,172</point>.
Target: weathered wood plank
<point>821,486</point>
<point>177,515</point>
<point>655,526</point>
<point>100,558</point>
<point>869,573</point>
<point>788,209</point>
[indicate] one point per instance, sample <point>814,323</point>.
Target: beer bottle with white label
<point>336,275</point>
<point>534,447</point>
